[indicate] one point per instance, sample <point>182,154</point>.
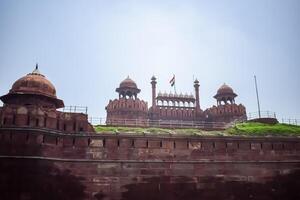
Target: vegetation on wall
<point>241,129</point>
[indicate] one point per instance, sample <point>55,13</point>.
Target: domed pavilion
<point>225,94</point>
<point>33,89</point>
<point>32,102</point>
<point>128,109</point>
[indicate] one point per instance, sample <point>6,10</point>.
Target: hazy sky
<point>86,48</point>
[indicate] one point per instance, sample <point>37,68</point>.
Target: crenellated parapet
<point>40,117</point>
<point>226,112</point>
<point>125,104</point>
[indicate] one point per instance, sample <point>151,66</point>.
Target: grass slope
<point>260,129</point>
<point>242,129</point>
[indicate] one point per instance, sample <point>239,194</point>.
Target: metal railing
<point>74,109</point>
<point>262,114</point>
<point>290,121</point>
<point>158,123</point>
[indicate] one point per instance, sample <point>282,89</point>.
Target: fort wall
<point>126,166</point>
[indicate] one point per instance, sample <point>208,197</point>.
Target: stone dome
<point>34,83</point>
<point>128,88</point>
<point>225,89</point>
<point>128,83</point>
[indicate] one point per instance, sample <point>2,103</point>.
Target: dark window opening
<point>4,120</point>
<point>57,124</point>
<point>28,120</point>
<point>132,143</point>
<point>74,126</point>
<point>45,122</point>
<point>80,129</point>
<point>103,142</point>
<point>73,141</point>
<point>118,143</point>
<point>65,127</point>
<point>14,120</point>
<point>174,145</point>
<point>160,144</point>
<point>37,122</point>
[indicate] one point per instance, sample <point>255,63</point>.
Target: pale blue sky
<point>86,48</point>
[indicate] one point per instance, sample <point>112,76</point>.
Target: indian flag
<point>172,81</point>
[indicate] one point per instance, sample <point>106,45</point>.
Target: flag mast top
<point>172,82</point>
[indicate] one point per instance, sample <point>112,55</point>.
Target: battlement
<point>132,104</point>
<point>40,117</point>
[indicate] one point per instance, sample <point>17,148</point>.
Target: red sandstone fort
<point>171,107</point>
<point>32,101</point>
<point>46,153</point>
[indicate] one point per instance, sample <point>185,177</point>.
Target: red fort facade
<point>50,154</point>
<point>129,109</point>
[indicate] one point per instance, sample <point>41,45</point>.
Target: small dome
<point>225,89</point>
<point>34,83</point>
<point>128,88</point>
<point>128,83</point>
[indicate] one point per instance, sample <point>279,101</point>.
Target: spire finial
<point>36,70</point>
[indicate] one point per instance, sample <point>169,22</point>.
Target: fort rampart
<point>107,166</point>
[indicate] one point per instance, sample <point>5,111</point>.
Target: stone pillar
<point>196,86</point>
<point>153,83</point>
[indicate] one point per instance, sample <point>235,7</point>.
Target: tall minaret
<point>153,83</point>
<point>196,86</point>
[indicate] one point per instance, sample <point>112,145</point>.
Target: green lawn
<point>242,129</point>
<point>260,129</point>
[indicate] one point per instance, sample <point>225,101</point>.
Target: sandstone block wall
<point>149,167</point>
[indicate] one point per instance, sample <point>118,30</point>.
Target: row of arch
<point>177,113</point>
<point>175,103</point>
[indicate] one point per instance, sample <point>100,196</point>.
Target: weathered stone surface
<point>128,167</point>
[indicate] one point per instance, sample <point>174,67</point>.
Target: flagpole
<point>175,87</point>
<point>258,105</point>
